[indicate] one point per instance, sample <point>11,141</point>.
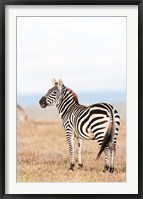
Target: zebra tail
<point>107,139</point>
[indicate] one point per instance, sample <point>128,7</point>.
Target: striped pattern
<point>96,122</point>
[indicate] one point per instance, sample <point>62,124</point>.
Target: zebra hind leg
<point>113,152</point>
<point>106,159</point>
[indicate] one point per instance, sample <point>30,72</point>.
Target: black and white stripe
<point>96,122</point>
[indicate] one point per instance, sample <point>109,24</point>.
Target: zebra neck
<point>64,107</point>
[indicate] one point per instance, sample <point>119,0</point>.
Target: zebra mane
<point>74,95</point>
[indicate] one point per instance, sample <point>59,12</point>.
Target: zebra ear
<point>54,82</point>
<point>60,83</point>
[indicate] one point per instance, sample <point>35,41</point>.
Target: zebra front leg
<point>106,158</point>
<point>113,153</point>
<point>79,152</point>
<point>70,140</point>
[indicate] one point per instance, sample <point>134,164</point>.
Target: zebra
<point>95,122</point>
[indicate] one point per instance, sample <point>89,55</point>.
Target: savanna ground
<point>43,155</point>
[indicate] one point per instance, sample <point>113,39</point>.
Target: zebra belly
<point>85,135</point>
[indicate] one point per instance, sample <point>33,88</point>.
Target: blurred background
<point>87,53</point>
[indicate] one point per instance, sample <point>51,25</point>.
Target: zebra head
<point>53,95</point>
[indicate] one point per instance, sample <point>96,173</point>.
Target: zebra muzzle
<point>42,102</point>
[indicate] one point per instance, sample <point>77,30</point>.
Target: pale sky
<point>87,53</point>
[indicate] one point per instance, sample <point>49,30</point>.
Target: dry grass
<point>43,156</point>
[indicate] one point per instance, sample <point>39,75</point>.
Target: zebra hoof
<point>106,168</point>
<point>72,167</point>
<point>80,166</point>
<point>111,170</point>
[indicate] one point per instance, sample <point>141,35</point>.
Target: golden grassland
<point>43,155</point>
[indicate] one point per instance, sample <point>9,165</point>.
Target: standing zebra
<point>95,122</point>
